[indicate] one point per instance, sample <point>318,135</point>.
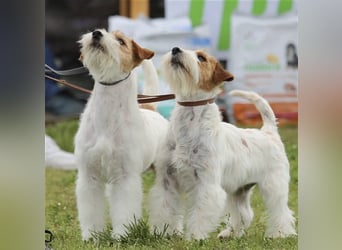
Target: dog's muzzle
<point>96,40</point>
<point>176,51</point>
<point>97,35</point>
<point>175,57</point>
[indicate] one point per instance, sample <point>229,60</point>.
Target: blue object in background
<point>51,88</point>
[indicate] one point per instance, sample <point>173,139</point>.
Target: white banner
<point>217,14</point>
<point>264,59</point>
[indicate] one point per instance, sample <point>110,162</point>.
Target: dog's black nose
<point>176,50</point>
<point>97,35</point>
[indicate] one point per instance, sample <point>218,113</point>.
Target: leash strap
<point>141,98</point>
<point>154,98</point>
<point>69,72</point>
<point>69,84</point>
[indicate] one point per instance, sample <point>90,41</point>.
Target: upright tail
<point>267,114</point>
<point>151,83</point>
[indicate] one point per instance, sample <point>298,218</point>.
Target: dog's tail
<point>267,114</point>
<point>151,83</point>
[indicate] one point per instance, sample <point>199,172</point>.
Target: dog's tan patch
<point>140,53</point>
<point>131,54</point>
<point>212,73</point>
<point>125,51</point>
<point>147,106</point>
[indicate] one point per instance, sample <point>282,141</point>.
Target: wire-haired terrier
<point>208,168</point>
<point>116,139</point>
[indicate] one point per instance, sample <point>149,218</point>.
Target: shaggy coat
<point>116,140</point>
<point>208,168</point>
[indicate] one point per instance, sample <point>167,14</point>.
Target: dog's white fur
<point>210,164</point>
<point>116,140</point>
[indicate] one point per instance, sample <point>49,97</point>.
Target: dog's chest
<point>187,125</point>
<point>110,129</point>
<point>193,141</point>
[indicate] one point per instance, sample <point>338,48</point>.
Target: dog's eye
<point>122,42</point>
<point>201,58</point>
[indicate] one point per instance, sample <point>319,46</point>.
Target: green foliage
<point>63,133</point>
<point>61,210</point>
<point>137,234</point>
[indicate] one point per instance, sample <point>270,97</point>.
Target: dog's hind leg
<point>165,205</point>
<point>90,204</point>
<point>274,190</point>
<point>125,200</point>
<point>239,212</point>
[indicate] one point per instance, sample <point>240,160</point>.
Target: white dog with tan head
<point>208,168</point>
<point>116,139</point>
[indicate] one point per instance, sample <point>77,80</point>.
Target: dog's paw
<point>280,234</point>
<point>196,236</point>
<point>224,234</point>
<point>87,236</point>
<point>116,235</point>
<point>229,233</point>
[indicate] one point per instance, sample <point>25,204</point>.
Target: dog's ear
<point>141,53</point>
<point>221,75</point>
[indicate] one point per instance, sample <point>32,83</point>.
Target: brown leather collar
<point>197,103</point>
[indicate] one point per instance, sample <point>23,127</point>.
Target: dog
<point>116,140</point>
<point>208,168</point>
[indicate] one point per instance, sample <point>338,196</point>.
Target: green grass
<point>61,211</point>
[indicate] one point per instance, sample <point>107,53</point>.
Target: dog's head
<point>193,73</point>
<point>111,56</point>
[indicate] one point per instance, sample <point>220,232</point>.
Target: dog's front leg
<point>206,204</point>
<point>125,198</point>
<point>165,205</point>
<point>90,203</point>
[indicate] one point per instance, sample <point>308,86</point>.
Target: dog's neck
<point>112,83</point>
<point>196,106</point>
<point>196,103</point>
<point>122,93</point>
<point>205,110</point>
<point>115,104</point>
<point>192,123</point>
<point>194,97</point>
<point>193,93</point>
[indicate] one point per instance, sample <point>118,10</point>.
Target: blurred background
<point>255,40</point>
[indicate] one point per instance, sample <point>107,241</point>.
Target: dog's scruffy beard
<point>100,58</point>
<point>184,76</point>
<point>182,79</point>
